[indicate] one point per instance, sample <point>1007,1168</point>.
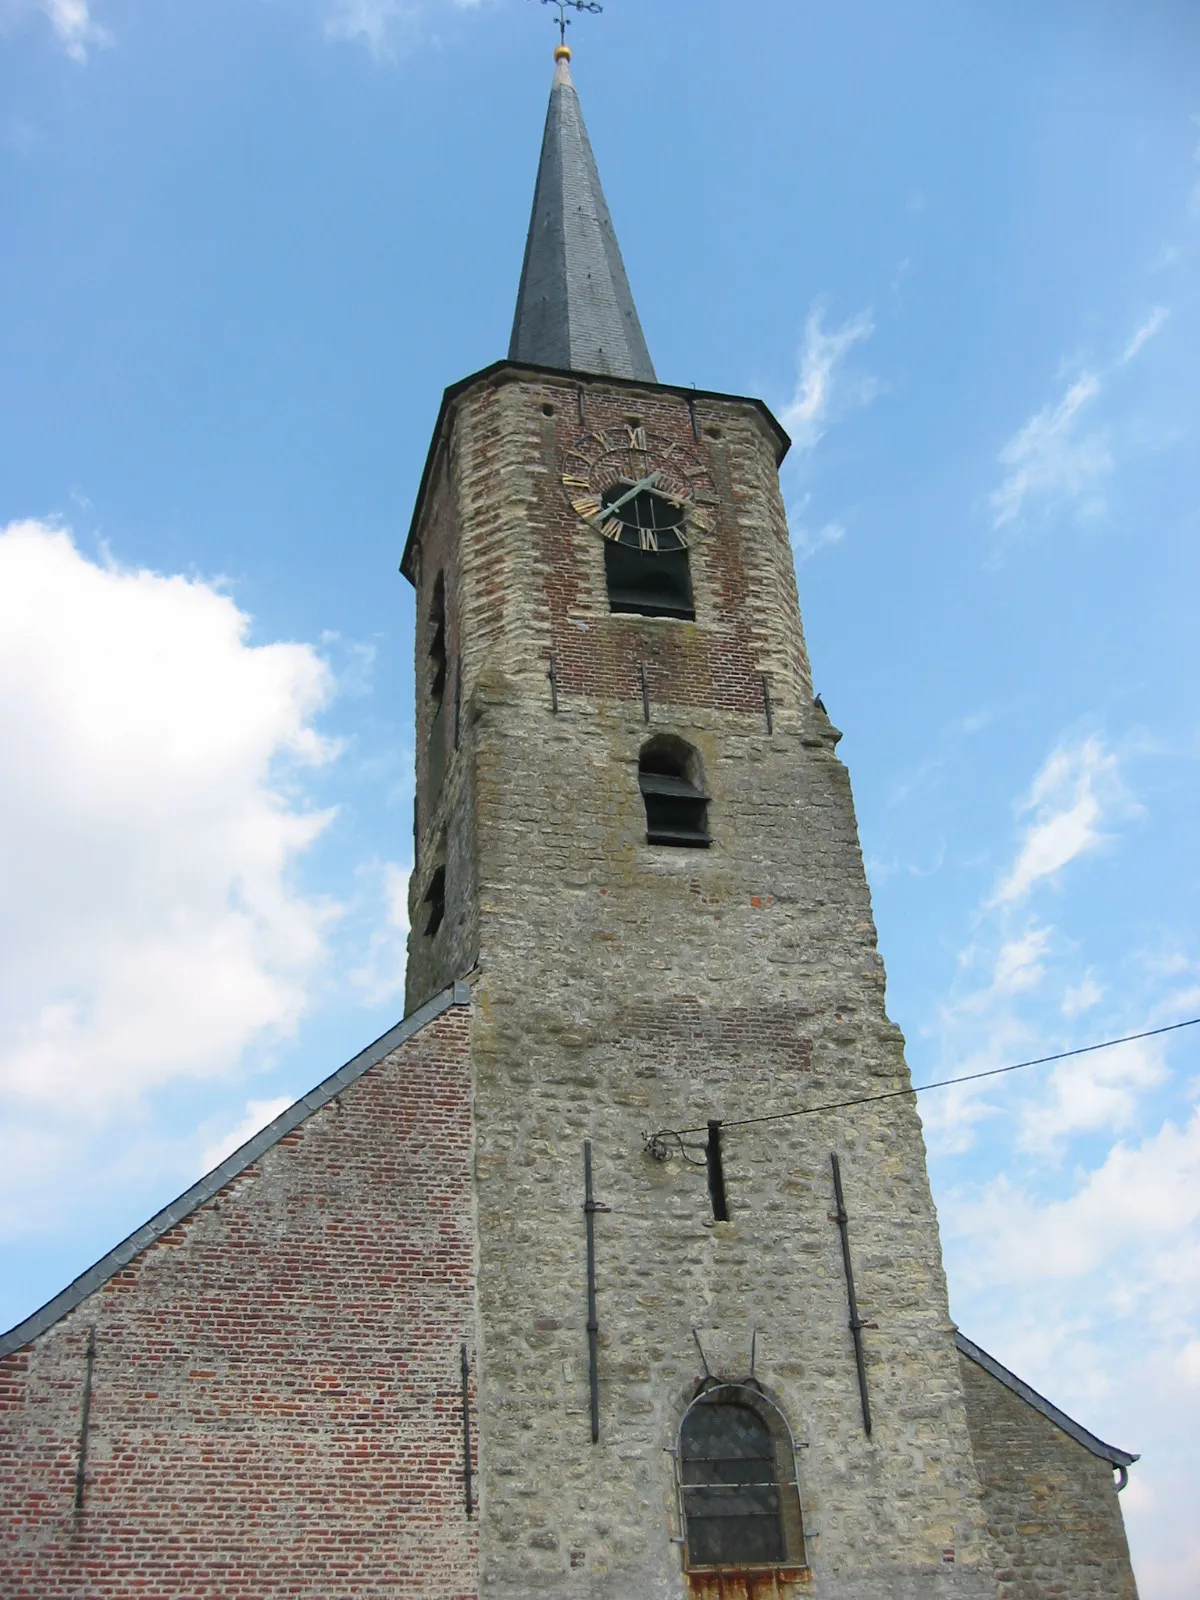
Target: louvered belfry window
<point>673,794</point>
<point>738,1492</point>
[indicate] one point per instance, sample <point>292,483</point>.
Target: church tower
<point>611,1272</point>
<point>636,841</point>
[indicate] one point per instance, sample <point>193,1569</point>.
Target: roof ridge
<point>1081,1435</point>
<point>459,994</point>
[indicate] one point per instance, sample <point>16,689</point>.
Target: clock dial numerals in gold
<point>639,489</point>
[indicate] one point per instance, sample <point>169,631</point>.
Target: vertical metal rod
<point>579,399</point>
<point>645,691</point>
<point>716,1173</point>
<point>593,1327</point>
<point>703,1357</point>
<point>457,696</point>
<point>856,1322</point>
<point>691,405</point>
<point>767,703</point>
<point>466,1429</point>
<point>553,676</point>
<point>81,1469</point>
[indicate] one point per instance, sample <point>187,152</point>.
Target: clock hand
<point>642,483</point>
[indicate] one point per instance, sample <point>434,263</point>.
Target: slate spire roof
<point>574,307</point>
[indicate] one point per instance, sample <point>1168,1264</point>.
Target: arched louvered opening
<point>738,1493</point>
<point>672,786</point>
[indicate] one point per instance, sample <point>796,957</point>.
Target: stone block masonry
<point>276,1397</point>
<point>620,988</point>
<point>1051,1503</point>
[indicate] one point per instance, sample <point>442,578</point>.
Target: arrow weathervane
<point>564,22</point>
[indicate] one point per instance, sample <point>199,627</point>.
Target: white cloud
<point>258,1114</point>
<point>807,541</point>
<point>149,929</point>
<point>1019,965</point>
<point>1052,459</point>
<point>1069,799</point>
<point>370,22</point>
<point>1143,1197</point>
<point>381,24</point>
<point>1055,458</point>
<point>1082,996</point>
<point>74,26</point>
<point>1100,1090</point>
<point>821,389</point>
<point>1006,965</point>
<point>380,978</point>
<point>1146,332</point>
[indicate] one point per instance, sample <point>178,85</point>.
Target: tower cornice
<point>508,371</point>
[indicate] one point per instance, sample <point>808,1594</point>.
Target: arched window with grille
<point>739,1498</point>
<point>672,786</point>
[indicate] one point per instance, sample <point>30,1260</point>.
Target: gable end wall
<point>1051,1505</point>
<point>276,1403</point>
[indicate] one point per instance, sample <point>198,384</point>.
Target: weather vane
<point>564,21</point>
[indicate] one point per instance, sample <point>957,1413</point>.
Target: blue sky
<point>246,245</point>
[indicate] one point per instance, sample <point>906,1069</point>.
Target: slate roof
<point>1081,1435</point>
<point>192,1199</point>
<point>574,308</point>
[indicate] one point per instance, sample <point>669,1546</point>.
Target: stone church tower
<point>549,1292</point>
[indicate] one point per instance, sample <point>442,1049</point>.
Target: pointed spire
<point>574,307</point>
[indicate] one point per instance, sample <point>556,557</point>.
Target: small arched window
<point>738,1493</point>
<point>672,788</point>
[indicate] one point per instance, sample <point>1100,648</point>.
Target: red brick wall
<point>276,1402</point>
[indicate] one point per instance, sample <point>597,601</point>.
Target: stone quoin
<point>524,1301</point>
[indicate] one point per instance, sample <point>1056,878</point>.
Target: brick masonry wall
<point>276,1401</point>
<point>622,988</point>
<point>1052,1506</point>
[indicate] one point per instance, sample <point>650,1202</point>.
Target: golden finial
<point>562,52</point>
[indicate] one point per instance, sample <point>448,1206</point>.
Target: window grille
<point>675,801</point>
<point>735,1474</point>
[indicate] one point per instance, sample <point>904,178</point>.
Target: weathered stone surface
<point>622,988</point>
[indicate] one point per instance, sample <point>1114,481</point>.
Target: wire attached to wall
<point>656,1143</point>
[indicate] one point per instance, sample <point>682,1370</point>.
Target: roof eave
<point>1076,1430</point>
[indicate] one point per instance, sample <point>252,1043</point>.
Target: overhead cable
<point>942,1083</point>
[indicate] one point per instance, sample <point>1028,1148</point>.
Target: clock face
<point>639,489</point>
